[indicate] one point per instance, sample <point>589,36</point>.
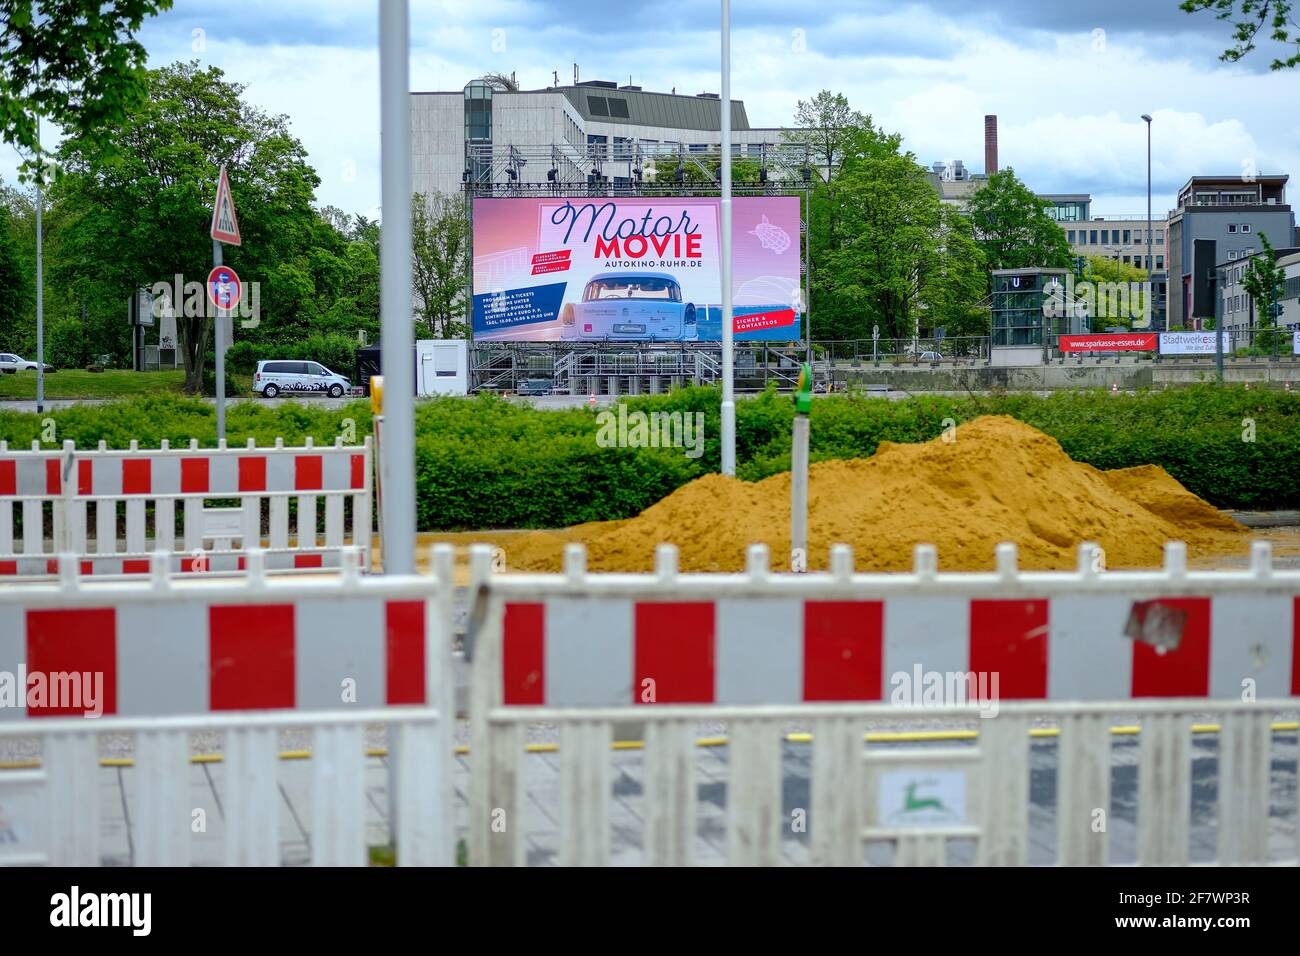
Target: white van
<point>272,378</point>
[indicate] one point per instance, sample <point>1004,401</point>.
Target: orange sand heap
<point>997,480</point>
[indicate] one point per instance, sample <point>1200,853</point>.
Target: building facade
<point>1237,311</point>
<point>554,134</point>
<point>1223,217</point>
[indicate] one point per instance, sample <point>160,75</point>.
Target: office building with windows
<point>560,127</point>
<point>1218,222</point>
<point>1237,310</point>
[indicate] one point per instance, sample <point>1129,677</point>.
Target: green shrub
<point>335,352</point>
<point>487,462</point>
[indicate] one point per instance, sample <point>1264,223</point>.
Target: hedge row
<point>490,463</point>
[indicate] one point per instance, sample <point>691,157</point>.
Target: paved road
<point>50,404</point>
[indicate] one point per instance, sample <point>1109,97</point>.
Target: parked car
<point>535,386</point>
<point>9,362</point>
<point>312,378</point>
<point>630,307</point>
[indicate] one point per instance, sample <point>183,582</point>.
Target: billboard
<point>633,269</point>
<point>1192,343</point>
<point>1109,342</point>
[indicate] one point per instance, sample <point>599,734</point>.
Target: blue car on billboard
<point>630,307</point>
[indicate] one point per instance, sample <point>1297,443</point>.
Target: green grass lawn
<point>112,383</point>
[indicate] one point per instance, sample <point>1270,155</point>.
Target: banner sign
<point>1109,342</point>
<point>1192,343</point>
<point>633,269</point>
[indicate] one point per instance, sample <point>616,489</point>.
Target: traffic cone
<point>592,400</point>
<point>1114,388</point>
<point>1288,386</point>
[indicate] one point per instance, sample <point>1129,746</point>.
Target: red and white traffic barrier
<point>625,640</point>
<point>172,646</point>
<point>57,491</point>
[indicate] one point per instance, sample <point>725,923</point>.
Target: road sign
<point>225,224</point>
<point>875,331</point>
<point>223,288</point>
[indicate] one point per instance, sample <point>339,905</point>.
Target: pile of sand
<point>997,480</point>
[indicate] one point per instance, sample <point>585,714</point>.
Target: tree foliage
<point>1264,280</point>
<point>1248,19</point>
<point>139,215</point>
<point>73,62</point>
<point>1012,226</point>
<point>439,263</point>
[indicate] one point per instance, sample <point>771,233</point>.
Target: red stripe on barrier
<point>9,477</point>
<point>309,560</point>
<point>137,476</point>
<point>307,472</point>
<point>252,474</point>
<point>53,478</point>
<point>1184,671</point>
<point>135,566</point>
<point>76,650</point>
<point>251,650</point>
<point>85,477</point>
<point>404,625</point>
<point>86,568</point>
<point>674,653</point>
<point>1009,639</point>
<point>358,471</point>
<point>843,650</point>
<point>52,566</point>
<point>1295,648</point>
<point>523,654</point>
<point>8,567</point>
<point>194,475</point>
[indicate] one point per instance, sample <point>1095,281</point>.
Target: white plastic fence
<point>242,659</point>
<point>61,495</point>
<point>762,652</point>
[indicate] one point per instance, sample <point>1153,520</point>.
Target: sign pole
<point>397,465</point>
<point>728,372</point>
<point>221,354</point>
<point>799,472</point>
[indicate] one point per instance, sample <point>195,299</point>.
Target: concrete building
<point>624,127</point>
<point>1219,220</point>
<point>1237,311</point>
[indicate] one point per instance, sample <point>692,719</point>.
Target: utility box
<point>441,366</point>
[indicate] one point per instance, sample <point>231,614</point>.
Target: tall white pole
<point>40,272</point>
<point>397,457</point>
<point>728,396</point>
<point>219,346</point>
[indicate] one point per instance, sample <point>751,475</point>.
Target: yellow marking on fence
<point>878,737</point>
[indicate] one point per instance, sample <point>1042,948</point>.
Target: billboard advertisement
<point>633,269</point>
<point>1109,342</point>
<point>1192,343</point>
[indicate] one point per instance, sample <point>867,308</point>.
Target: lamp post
<point>1150,260</point>
<point>728,396</point>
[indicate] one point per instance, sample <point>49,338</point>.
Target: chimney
<point>990,144</point>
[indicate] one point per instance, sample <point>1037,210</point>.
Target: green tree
<point>73,62</point>
<point>1248,18</point>
<point>1013,228</point>
<point>1112,298</point>
<point>439,263</point>
<point>14,282</point>
<point>1264,280</point>
<point>955,280</point>
<point>142,213</point>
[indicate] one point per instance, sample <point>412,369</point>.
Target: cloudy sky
<point>1068,81</point>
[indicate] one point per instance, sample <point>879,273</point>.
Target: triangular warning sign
<point>225,225</point>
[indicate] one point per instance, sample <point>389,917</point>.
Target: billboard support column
<point>728,398</point>
<point>397,463</point>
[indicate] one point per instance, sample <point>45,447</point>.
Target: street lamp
<point>728,397</point>
<point>1150,260</point>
